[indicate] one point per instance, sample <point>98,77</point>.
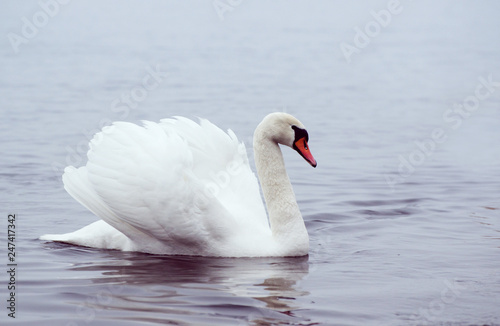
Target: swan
<point>179,187</point>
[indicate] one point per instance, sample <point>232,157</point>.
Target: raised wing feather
<point>175,187</point>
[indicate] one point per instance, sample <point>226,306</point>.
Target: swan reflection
<point>144,287</point>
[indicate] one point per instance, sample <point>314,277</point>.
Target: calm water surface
<point>403,210</point>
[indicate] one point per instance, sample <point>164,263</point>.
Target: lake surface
<point>403,210</point>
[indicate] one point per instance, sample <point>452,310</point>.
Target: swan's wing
<point>153,183</point>
<point>220,162</point>
<point>77,184</point>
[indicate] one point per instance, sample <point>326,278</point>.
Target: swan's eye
<point>300,133</point>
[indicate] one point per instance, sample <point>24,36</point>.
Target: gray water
<point>403,210</point>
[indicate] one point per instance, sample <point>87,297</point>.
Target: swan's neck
<point>284,214</point>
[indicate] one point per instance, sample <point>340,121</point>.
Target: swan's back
<point>174,187</point>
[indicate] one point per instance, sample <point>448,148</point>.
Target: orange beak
<point>303,149</point>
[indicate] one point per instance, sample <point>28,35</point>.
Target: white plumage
<point>175,187</point>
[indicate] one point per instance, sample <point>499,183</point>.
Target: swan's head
<point>285,129</point>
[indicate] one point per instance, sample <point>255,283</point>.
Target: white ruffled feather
<point>174,187</point>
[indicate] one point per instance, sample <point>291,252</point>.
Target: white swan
<point>182,188</point>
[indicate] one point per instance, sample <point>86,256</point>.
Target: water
<point>403,210</point>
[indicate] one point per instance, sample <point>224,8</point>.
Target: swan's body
<point>182,188</point>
